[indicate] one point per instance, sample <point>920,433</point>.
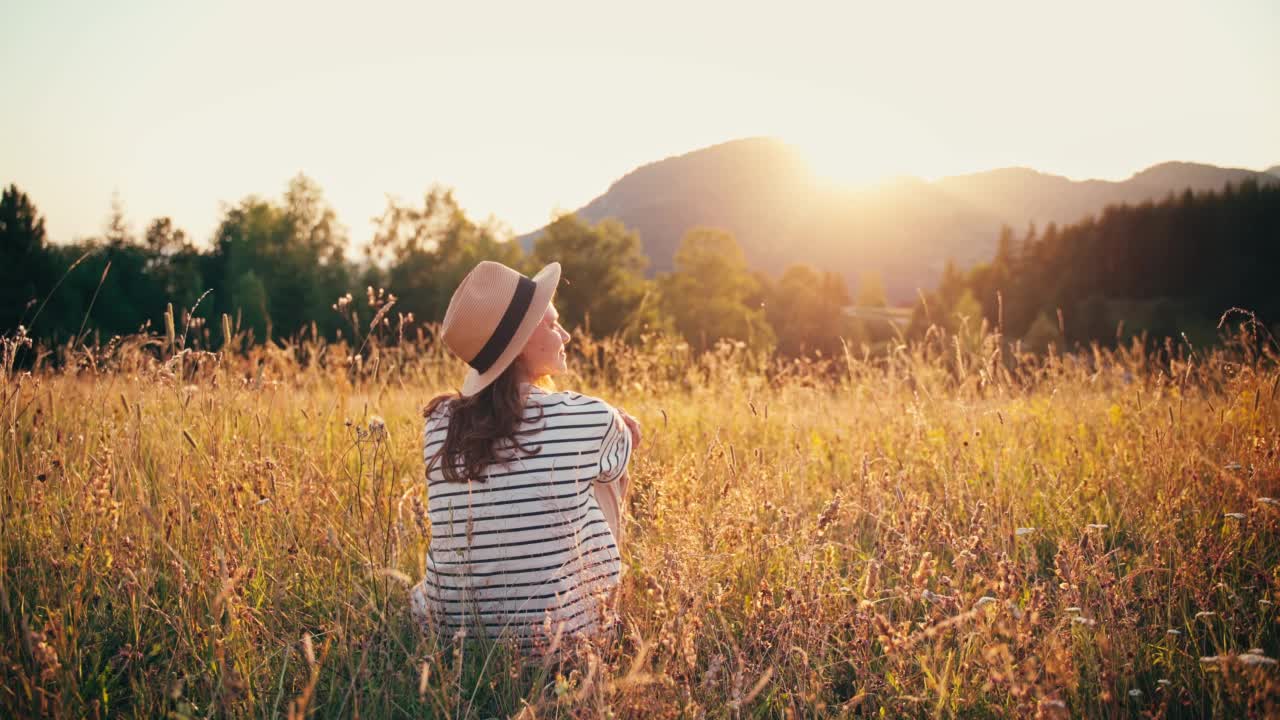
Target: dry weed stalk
<point>948,528</point>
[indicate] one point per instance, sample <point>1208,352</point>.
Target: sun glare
<point>849,161</point>
<point>858,144</point>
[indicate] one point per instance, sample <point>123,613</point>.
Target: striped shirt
<point>526,552</point>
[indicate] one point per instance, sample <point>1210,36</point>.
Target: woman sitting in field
<point>525,484</point>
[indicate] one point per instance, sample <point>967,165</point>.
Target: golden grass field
<point>949,529</point>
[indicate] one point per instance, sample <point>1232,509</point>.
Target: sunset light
<point>855,142</point>
<point>669,359</point>
<point>529,108</point>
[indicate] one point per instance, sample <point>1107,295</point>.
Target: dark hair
<point>480,428</point>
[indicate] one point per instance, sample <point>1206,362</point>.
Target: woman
<point>524,484</point>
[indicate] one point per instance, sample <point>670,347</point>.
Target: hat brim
<point>545,283</point>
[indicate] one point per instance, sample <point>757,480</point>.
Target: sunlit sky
<point>530,107</point>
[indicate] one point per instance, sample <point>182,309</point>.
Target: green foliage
<point>967,311</point>
<point>706,295</point>
<point>173,262</point>
<point>806,310</point>
<point>429,249</point>
<point>249,298</point>
<point>602,286</point>
<point>281,264</point>
<point>1159,269</point>
<point>106,286</point>
<point>1042,333</point>
<point>276,267</point>
<point>24,264</point>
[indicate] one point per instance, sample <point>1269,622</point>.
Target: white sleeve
<point>615,448</point>
<point>433,433</point>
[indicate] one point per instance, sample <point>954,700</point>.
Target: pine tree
<point>24,263</point>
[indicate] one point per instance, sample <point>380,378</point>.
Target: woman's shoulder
<point>436,413</point>
<point>567,399</point>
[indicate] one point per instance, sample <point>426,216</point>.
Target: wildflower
<point>1057,704</point>
<point>984,600</point>
<point>713,671</point>
<point>1251,658</point>
<point>1264,603</point>
<point>1173,631</point>
<point>930,596</point>
<point>1268,501</point>
<point>1233,466</point>
<point>1024,531</point>
<point>1234,515</point>
<point>1165,682</point>
<point>1097,526</point>
<point>1081,620</point>
<point>1135,693</point>
<point>829,513</point>
<point>377,427</point>
<point>1073,609</point>
<point>45,656</point>
<point>1205,614</point>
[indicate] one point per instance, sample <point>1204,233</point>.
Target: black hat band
<point>501,337</point>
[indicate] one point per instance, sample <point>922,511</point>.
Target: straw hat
<point>491,316</point>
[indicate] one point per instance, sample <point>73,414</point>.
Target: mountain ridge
<point>764,192</point>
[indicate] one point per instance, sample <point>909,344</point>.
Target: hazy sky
<point>532,106</point>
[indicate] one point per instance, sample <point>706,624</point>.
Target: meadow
<point>952,527</point>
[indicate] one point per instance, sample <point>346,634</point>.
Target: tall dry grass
<point>952,528</point>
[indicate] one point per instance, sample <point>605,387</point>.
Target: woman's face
<point>544,353</point>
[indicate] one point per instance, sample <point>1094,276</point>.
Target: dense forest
<point>1167,269</point>
<point>278,268</point>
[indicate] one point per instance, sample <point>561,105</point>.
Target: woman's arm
<point>612,497</point>
<point>634,426</point>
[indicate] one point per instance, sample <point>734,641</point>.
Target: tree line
<point>1158,269</point>
<point>280,267</point>
<point>276,268</point>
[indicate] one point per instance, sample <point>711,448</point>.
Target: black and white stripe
<point>527,547</point>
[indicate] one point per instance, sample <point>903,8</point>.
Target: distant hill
<point>763,191</point>
<point>1274,170</point>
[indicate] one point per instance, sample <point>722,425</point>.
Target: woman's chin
<point>553,370</point>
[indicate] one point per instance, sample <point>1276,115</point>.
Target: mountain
<point>764,192</point>
<point>1181,174</point>
<point>1273,170</point>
